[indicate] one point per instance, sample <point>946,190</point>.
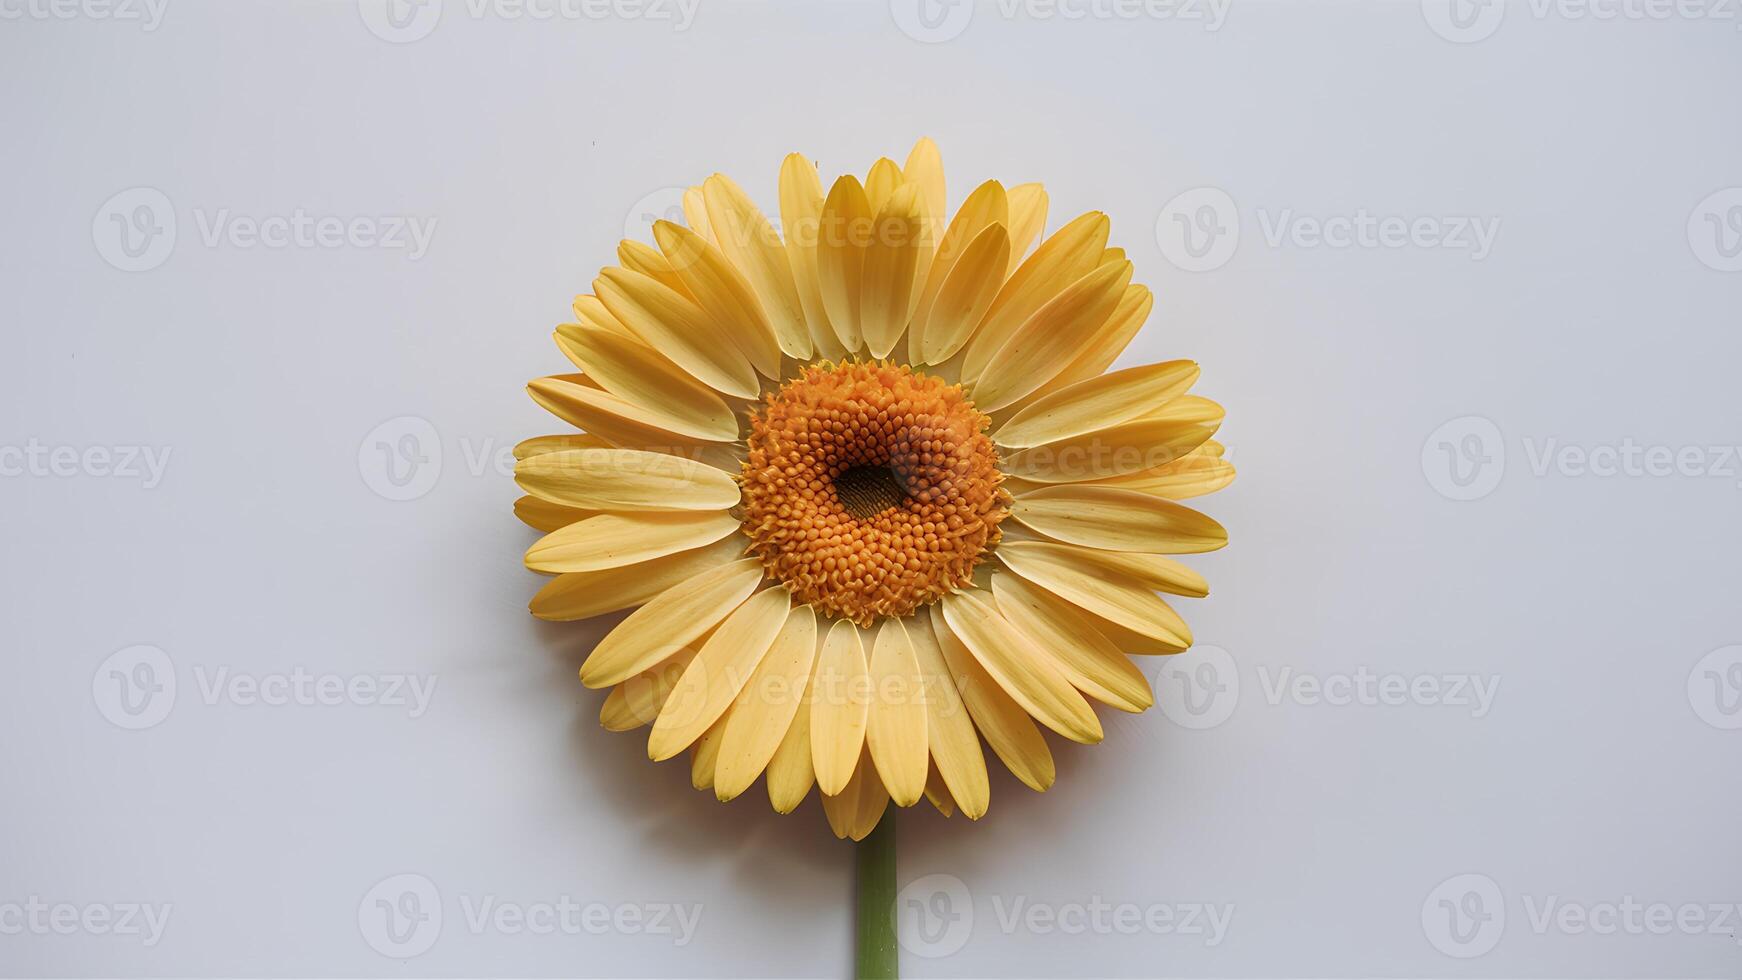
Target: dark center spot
<point>866,491</point>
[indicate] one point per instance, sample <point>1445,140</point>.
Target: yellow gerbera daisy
<point>867,490</point>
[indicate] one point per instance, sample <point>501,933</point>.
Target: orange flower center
<point>870,490</point>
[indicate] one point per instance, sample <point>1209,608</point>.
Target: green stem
<point>874,861</point>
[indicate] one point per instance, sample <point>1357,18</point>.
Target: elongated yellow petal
<point>1023,672</point>
<point>675,326</point>
<point>1037,350</point>
<point>1097,403</point>
<point>645,259</point>
<point>842,237</point>
<point>925,168</point>
<point>965,296</point>
<point>881,183</point>
<point>1155,571</point>
<point>1087,659</point>
<point>896,727</point>
<point>645,378</point>
<point>1129,447</point>
<point>1103,592</point>
<point>1195,475</point>
<point>938,792</point>
<point>1027,220</point>
<point>625,479</point>
<point>557,443</point>
<point>695,213</point>
<point>581,595</point>
<point>986,206</point>
<point>620,424</point>
<point>766,706</point>
<point>1101,350</point>
<point>955,748</point>
<point>1118,520</point>
<point>801,211</point>
<point>669,622</point>
<point>753,247</point>
<point>719,672</point>
<point>615,540</point>
<point>590,312</point>
<point>705,753</point>
<point>855,811</point>
<point>545,516</point>
<point>1009,730</point>
<point>723,294</point>
<point>635,703</point>
<point>887,281</point>
<point>1070,254</point>
<point>840,705</point>
<point>790,773</point>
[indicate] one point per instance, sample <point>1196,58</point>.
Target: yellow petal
<point>1034,354</point>
<point>840,702</point>
<point>1009,730</point>
<point>1118,520</point>
<point>625,480</point>
<point>754,248</point>
<point>965,296</point>
<point>1129,447</point>
<point>1027,219</point>
<point>1087,659</point>
<point>695,213</point>
<point>1101,350</point>
<point>1155,571</point>
<point>621,423</point>
<point>581,595</point>
<point>674,325</point>
<point>636,702</point>
<point>645,259</point>
<point>1193,476</point>
<point>896,727</point>
<point>1097,403</point>
<point>855,811</point>
<point>615,540</point>
<point>593,313</point>
<point>881,182</point>
<point>557,443</point>
<point>986,206</point>
<point>643,377</point>
<point>1103,592</point>
<point>1023,672</point>
<point>790,773</point>
<point>669,622</point>
<point>545,516</point>
<point>887,288</point>
<point>1070,254</point>
<point>801,210</point>
<point>705,754</point>
<point>925,168</point>
<point>723,294</point>
<point>955,748</point>
<point>938,793</point>
<point>842,237</point>
<point>766,706</point>
<point>719,672</point>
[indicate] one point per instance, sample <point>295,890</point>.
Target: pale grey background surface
<point>1365,386</point>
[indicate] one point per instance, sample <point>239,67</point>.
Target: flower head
<point>867,490</point>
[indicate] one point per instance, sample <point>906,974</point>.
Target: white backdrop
<point>1469,696</point>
